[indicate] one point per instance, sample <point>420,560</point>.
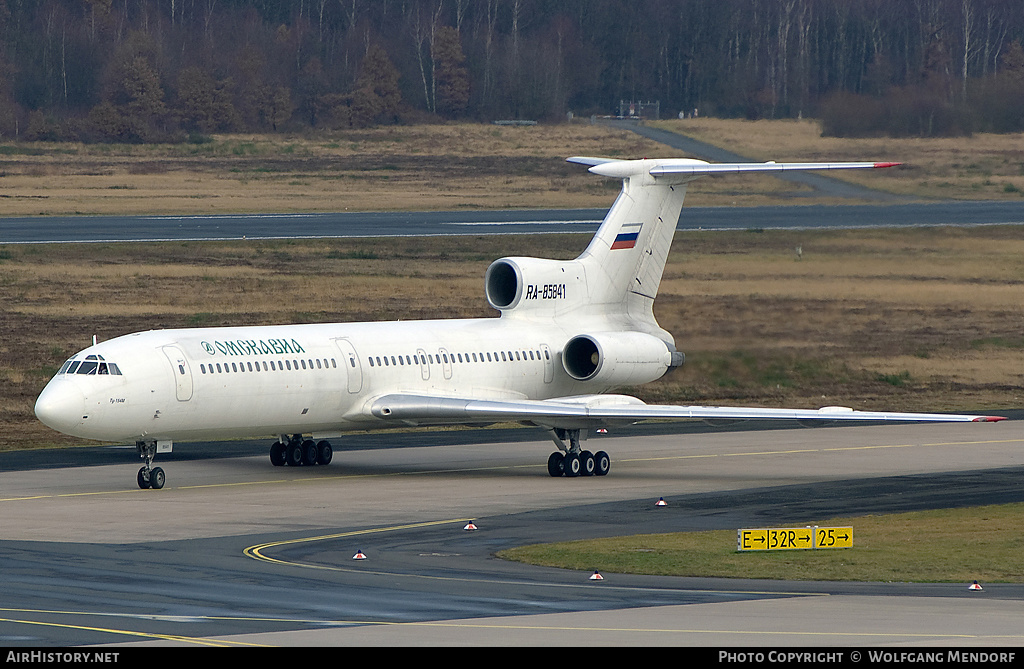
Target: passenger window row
<point>268,366</point>
<point>93,364</point>
<point>482,356</point>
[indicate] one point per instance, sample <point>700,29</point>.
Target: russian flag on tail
<point>626,239</point>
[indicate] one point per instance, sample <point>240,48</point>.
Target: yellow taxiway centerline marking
<point>255,551</point>
<point>109,630</point>
<point>816,450</point>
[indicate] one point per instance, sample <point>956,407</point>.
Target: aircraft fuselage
<point>217,383</point>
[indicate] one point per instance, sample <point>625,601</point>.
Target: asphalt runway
<point>235,552</point>
<point>103,229</point>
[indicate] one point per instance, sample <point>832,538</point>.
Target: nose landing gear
<point>149,476</point>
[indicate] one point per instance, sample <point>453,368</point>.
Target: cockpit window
<point>93,364</point>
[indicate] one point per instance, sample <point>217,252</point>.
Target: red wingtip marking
<point>989,419</point>
<point>877,165</point>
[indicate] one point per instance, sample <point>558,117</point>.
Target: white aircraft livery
<point>568,332</point>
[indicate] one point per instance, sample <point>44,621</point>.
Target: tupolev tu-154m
<point>568,332</point>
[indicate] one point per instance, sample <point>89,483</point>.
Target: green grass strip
<point>949,545</point>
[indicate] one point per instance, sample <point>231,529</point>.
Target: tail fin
<point>626,258</point>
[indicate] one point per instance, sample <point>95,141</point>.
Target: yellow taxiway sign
<point>793,538</point>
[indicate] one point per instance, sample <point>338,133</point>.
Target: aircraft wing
<point>588,411</point>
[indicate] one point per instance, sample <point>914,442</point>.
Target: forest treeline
<point>167,70</point>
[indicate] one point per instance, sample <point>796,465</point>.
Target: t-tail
<point>617,277</point>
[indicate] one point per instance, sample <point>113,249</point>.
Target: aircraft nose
<point>60,406</point>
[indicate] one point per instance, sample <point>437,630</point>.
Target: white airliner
<point>568,332</point>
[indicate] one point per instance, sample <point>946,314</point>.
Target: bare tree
<point>970,47</point>
<point>424,30</point>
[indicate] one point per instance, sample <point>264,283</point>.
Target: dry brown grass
<point>400,168</point>
<point>440,167</point>
<point>980,167</point>
<point>466,166</point>
<point>927,319</point>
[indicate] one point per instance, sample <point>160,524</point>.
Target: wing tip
<point>882,165</point>
<point>989,419</point>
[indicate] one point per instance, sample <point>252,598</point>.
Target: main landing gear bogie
<point>585,463</point>
<point>297,452</point>
<point>572,461</point>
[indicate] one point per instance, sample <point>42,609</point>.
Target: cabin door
<point>182,373</point>
<point>350,361</point>
<point>549,363</point>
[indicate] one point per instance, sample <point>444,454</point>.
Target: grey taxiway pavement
<point>375,224</point>
<point>235,552</point>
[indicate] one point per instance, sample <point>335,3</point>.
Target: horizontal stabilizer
<point>771,166</point>
<point>660,167</point>
<point>591,162</point>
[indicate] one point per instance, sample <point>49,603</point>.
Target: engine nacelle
<point>618,358</point>
<point>535,285</point>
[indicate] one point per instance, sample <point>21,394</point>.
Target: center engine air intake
<point>617,358</point>
<point>535,286</point>
<point>502,283</point>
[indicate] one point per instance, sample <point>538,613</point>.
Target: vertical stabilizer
<point>626,258</point>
